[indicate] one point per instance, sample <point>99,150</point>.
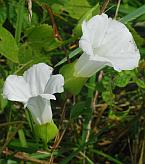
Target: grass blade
<point>137,13</point>
<point>71,55</point>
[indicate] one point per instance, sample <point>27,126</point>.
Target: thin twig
<point>105,4</point>
<point>55,29</point>
<point>117,9</point>
<point>9,138</point>
<point>131,153</point>
<point>141,159</point>
<point>63,111</point>
<point>12,123</point>
<point>103,108</point>
<point>93,107</point>
<point>97,93</point>
<point>59,136</point>
<point>24,156</point>
<point>56,144</point>
<point>30,9</point>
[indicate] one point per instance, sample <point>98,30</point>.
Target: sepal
<point>46,132</point>
<point>72,83</point>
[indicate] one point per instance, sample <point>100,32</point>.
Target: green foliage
<point>100,119</point>
<point>80,109</point>
<point>3,14</point>
<point>50,2</point>
<point>140,83</point>
<point>77,110</point>
<point>133,15</point>
<point>25,53</point>
<point>107,93</point>
<point>3,102</point>
<point>140,41</point>
<point>8,46</point>
<point>90,13</point>
<point>72,54</point>
<point>41,38</point>
<point>81,6</point>
<point>16,11</point>
<point>122,79</point>
<point>108,97</point>
<point>118,116</point>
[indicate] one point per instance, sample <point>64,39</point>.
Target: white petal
<point>55,84</point>
<point>85,41</point>
<point>85,67</point>
<point>16,89</point>
<point>48,96</point>
<point>97,27</point>
<point>124,61</point>
<point>40,109</point>
<point>109,41</point>
<point>37,77</point>
<point>118,47</point>
<point>93,33</point>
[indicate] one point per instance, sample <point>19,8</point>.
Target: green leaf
<point>133,15</point>
<point>77,110</point>
<point>8,46</point>
<point>32,146</point>
<point>106,82</point>
<point>107,156</point>
<point>26,23</point>
<point>90,13</point>
<point>9,162</point>
<point>25,53</point>
<point>50,2</point>
<point>126,9</point>
<point>118,116</point>
<point>76,8</point>
<point>3,12</point>
<point>3,103</point>
<point>13,10</point>
<point>138,39</point>
<point>42,37</point>
<point>108,97</point>
<point>140,83</point>
<point>122,79</point>
<point>19,22</point>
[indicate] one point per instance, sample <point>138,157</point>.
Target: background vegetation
<point>105,123</point>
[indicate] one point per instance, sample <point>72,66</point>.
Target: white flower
<point>35,89</point>
<point>105,42</point>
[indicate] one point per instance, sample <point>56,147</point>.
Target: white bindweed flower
<point>105,42</point>
<point>35,89</point>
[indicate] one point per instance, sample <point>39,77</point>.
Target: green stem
<point>116,161</point>
<point>31,124</point>
<point>22,138</point>
<point>19,22</point>
<point>29,119</point>
<point>88,120</point>
<point>117,9</point>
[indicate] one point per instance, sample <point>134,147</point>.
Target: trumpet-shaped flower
<point>105,42</point>
<point>35,89</point>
